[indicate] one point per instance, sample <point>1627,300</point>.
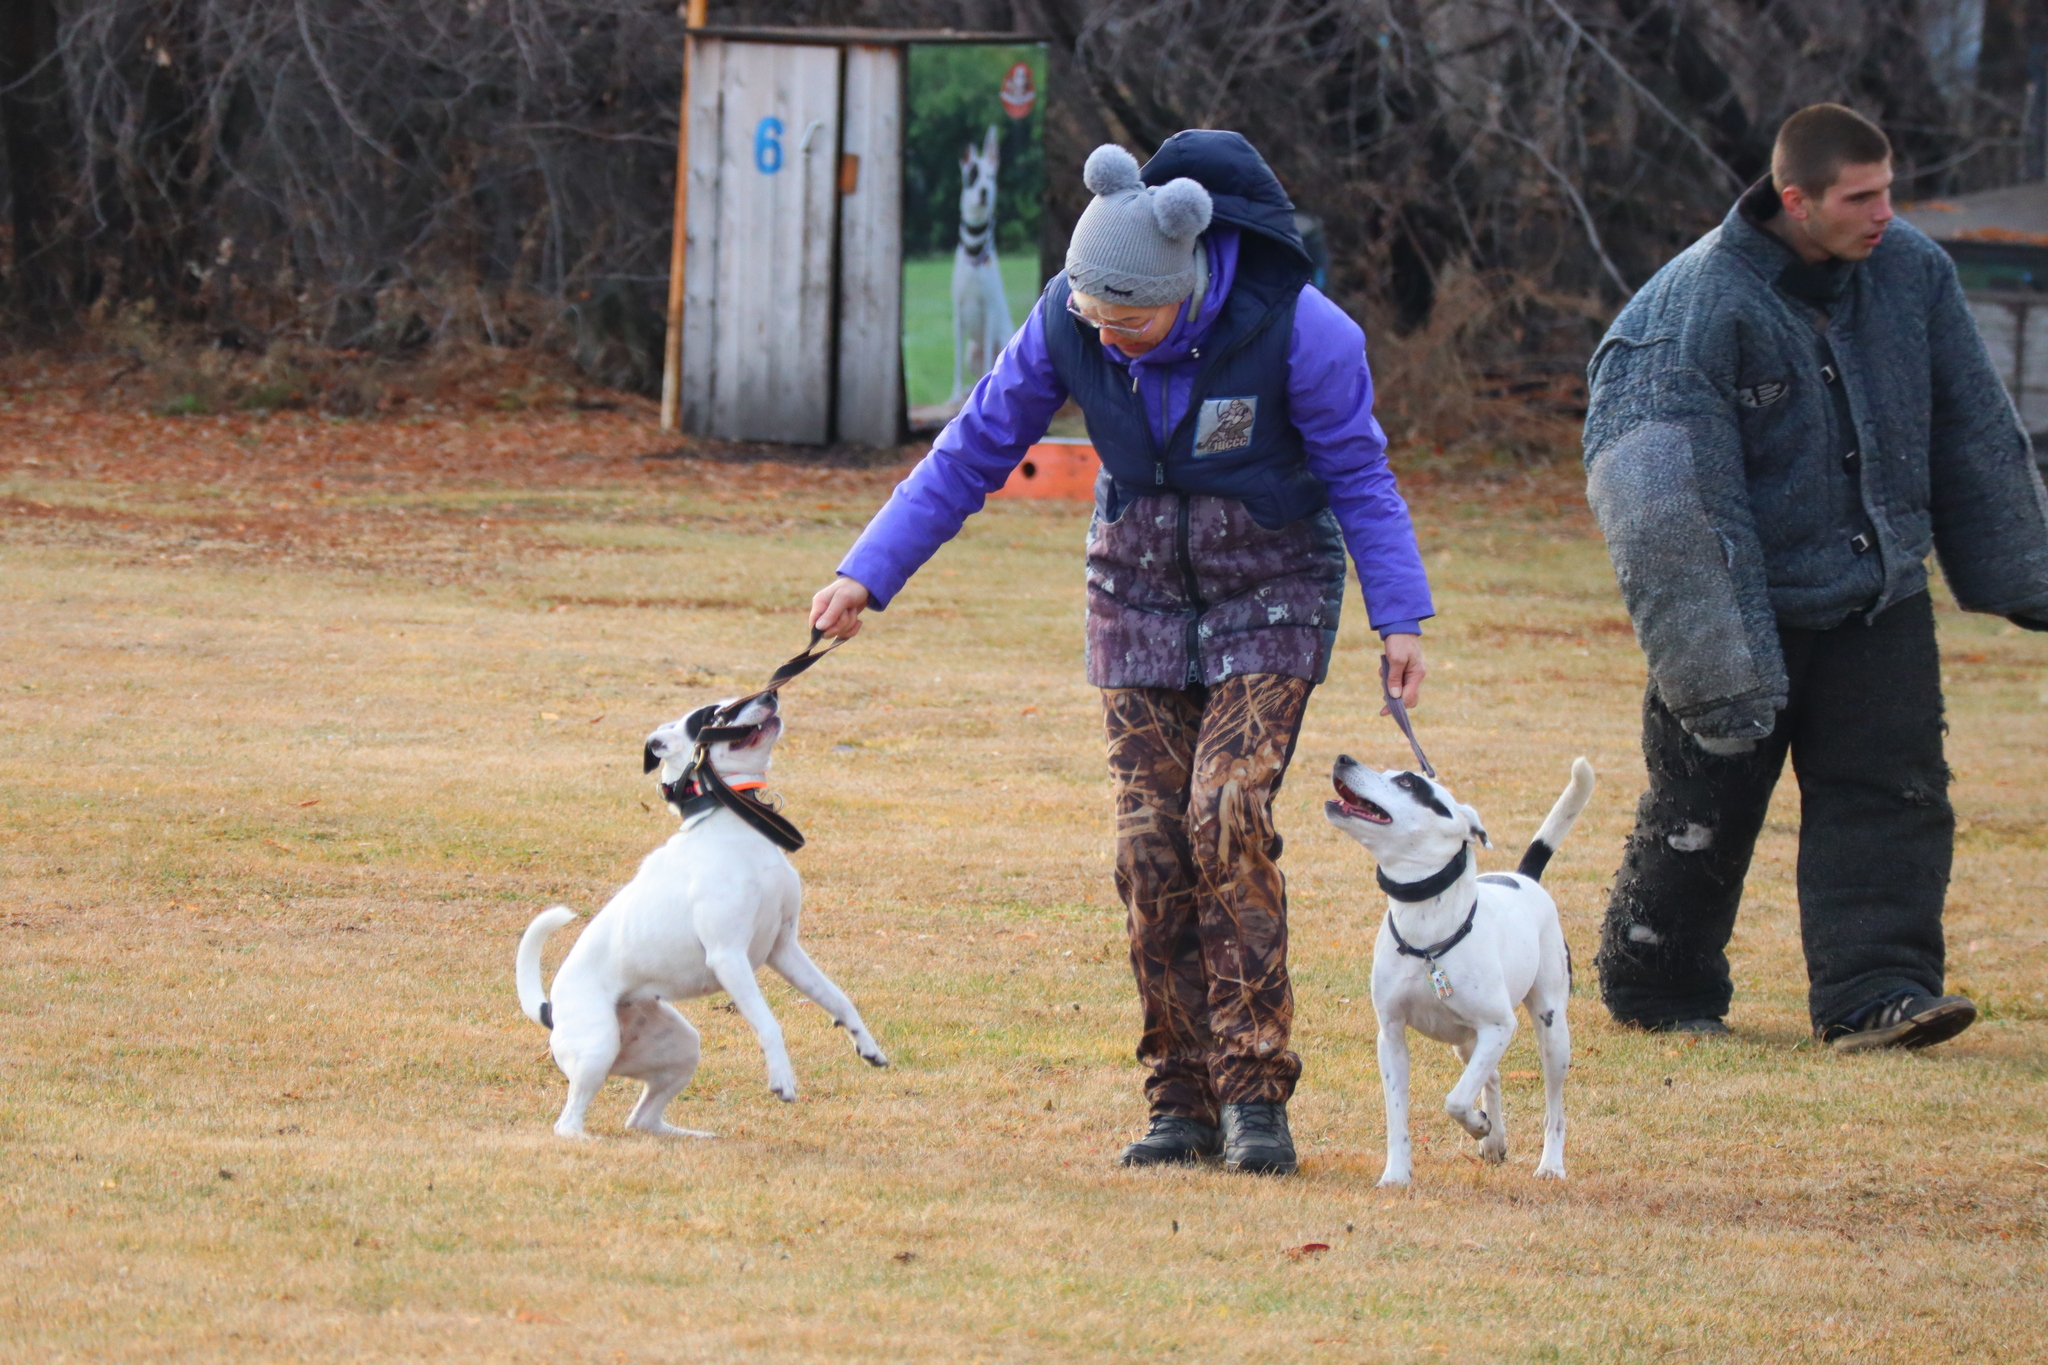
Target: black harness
<point>701,788</point>
<point>1429,888</point>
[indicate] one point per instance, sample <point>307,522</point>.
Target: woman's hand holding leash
<point>1404,668</point>
<point>837,606</point>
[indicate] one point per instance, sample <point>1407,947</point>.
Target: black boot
<point>1911,1020</point>
<point>1255,1139</point>
<point>1171,1139</point>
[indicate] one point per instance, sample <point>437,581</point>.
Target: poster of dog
<point>973,189</point>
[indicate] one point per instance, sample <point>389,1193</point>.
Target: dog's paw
<point>1492,1153</point>
<point>1473,1121</point>
<point>783,1090</point>
<point>574,1134</point>
<point>1393,1181</point>
<point>873,1056</point>
<point>1550,1172</point>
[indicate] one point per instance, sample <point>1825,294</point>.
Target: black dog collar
<point>1435,950</point>
<point>702,789</point>
<point>1432,886</point>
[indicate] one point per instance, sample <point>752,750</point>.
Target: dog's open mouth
<point>1356,806</point>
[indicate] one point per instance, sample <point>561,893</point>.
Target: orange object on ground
<point>1055,469</point>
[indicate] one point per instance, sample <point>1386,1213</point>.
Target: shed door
<point>764,153</point>
<point>870,408</point>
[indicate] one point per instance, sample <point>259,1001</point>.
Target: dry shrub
<point>1464,386</point>
<point>132,359</point>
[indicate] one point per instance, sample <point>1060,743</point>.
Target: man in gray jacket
<point>1783,423</point>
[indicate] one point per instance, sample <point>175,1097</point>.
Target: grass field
<point>928,319</point>
<point>305,720</point>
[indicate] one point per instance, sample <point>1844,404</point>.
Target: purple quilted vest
<point>1186,589</point>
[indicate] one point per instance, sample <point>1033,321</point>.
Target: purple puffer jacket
<point>1290,579</point>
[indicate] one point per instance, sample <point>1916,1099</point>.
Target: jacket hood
<point>1243,188</point>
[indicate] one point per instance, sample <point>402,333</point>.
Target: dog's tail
<point>1559,822</point>
<point>533,996</point>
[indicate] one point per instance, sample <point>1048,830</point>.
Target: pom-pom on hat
<point>1135,245</point>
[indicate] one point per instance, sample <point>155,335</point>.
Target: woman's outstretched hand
<point>837,606</point>
<point>1404,668</point>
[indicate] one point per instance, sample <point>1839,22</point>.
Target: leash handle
<point>791,668</point>
<point>1398,709</point>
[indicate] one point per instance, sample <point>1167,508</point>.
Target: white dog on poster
<point>981,311</point>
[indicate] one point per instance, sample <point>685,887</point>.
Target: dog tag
<point>1440,981</point>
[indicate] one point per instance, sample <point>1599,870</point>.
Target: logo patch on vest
<point>1225,424</point>
<point>1764,394</point>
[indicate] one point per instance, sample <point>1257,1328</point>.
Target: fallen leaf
<point>594,720</point>
<point>1306,1250</point>
<point>525,1315</point>
<point>1522,1075</point>
<point>303,804</point>
<point>905,1257</point>
<point>549,715</point>
<point>275,844</point>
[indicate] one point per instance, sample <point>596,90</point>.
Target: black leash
<point>703,788</point>
<point>1398,709</point>
<point>1429,888</point>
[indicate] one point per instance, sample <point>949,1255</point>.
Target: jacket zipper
<point>1159,462</point>
<point>1196,606</point>
<point>1158,458</point>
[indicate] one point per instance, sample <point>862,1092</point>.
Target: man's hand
<point>837,607</point>
<point>1404,669</point>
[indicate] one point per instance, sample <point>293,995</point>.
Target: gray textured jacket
<point>1755,462</point>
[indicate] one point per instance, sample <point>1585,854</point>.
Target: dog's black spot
<point>697,720</point>
<point>1498,879</point>
<point>547,1016</point>
<point>649,760</point>
<point>1547,1016</point>
<point>1420,790</point>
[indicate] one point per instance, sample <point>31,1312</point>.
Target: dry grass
<point>304,721</point>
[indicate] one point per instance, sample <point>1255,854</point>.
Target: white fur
<point>981,310</point>
<point>705,910</point>
<point>1515,954</point>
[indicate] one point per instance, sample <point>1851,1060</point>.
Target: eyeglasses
<point>1131,333</point>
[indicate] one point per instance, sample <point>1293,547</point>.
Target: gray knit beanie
<point>1135,245</point>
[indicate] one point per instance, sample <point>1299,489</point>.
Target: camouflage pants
<point>1197,868</point>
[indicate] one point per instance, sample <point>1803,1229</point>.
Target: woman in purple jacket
<point>1231,406</point>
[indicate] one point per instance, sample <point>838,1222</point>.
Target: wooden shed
<point>786,301</point>
<point>1999,241</point>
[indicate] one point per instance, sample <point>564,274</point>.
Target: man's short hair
<point>1815,143</point>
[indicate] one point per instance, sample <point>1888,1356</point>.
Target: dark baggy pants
<point>1197,866</point>
<point>1876,834</point>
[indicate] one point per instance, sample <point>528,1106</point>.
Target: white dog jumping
<point>705,910</point>
<point>981,310</point>
<point>1457,951</point>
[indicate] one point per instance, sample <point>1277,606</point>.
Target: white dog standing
<point>1457,951</point>
<point>705,910</point>
<point>981,311</point>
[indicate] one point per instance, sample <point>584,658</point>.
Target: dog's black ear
<point>650,760</point>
